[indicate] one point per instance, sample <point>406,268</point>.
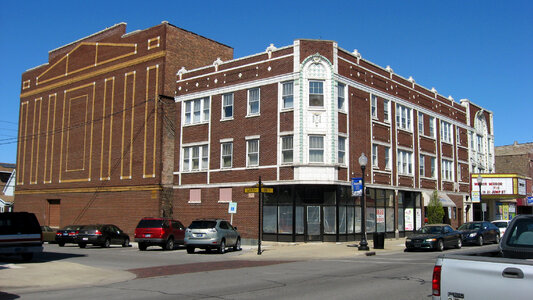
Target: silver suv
<point>212,234</point>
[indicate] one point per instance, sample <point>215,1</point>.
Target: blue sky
<point>480,50</point>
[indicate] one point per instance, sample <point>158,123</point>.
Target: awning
<point>444,199</point>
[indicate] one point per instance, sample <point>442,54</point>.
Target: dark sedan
<point>67,234</point>
<point>102,235</point>
<point>434,237</point>
<point>479,233</point>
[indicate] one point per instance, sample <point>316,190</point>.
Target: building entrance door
<point>313,223</point>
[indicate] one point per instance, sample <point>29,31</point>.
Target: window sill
<point>195,124</point>
<point>253,116</point>
<point>316,108</point>
<point>227,119</point>
<point>288,109</point>
<point>404,130</point>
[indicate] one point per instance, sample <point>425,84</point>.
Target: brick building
<point>96,125</point>
<point>300,116</point>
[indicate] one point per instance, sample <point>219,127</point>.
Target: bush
<point>435,210</point>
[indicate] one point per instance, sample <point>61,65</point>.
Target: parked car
<point>479,233</point>
<point>212,234</point>
<point>49,234</point>
<point>20,234</point>
<point>162,232</point>
<point>502,225</point>
<point>434,237</point>
<point>102,235</point>
<point>67,234</point>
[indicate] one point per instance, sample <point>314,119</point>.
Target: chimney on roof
<point>515,143</point>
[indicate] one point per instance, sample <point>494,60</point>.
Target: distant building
<point>518,158</point>
<point>7,186</point>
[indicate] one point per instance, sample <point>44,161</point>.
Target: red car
<point>162,232</point>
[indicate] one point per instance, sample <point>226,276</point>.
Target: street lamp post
<point>363,245</point>
<point>479,182</point>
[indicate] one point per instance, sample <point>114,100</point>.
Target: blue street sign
<point>357,187</point>
<point>530,200</point>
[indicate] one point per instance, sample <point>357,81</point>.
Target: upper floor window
<point>422,166</point>
<point>316,148</point>
<point>342,150</point>
<point>227,106</point>
<point>387,158</point>
<point>403,117</point>
<point>479,140</point>
<point>447,170</point>
<point>446,132</point>
<point>287,94</point>
<point>433,168</point>
<point>420,123</point>
<point>340,96</point>
<point>226,155</point>
<point>375,156</point>
<point>316,93</point>
<point>286,149</point>
<point>431,126</point>
<point>405,162</point>
<point>386,110</point>
<point>195,158</point>
<point>196,111</point>
<point>374,103</point>
<point>252,150</point>
<point>253,101</point>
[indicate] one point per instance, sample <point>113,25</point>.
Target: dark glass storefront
<point>296,213</point>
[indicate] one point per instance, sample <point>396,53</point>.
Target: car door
<point>230,234</point>
<point>179,231</point>
<point>449,236</point>
<point>114,234</point>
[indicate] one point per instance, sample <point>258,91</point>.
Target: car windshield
<point>430,229</point>
<point>501,224</point>
<point>150,224</point>
<point>203,224</point>
<point>470,226</point>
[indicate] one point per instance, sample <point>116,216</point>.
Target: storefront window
<point>370,219</point>
<point>299,220</point>
<point>350,219</point>
<point>389,213</point>
<point>357,219</point>
<point>269,219</point>
<point>329,219</point>
<point>342,219</point>
<point>285,219</point>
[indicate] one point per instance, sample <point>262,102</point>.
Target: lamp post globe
<point>363,245</point>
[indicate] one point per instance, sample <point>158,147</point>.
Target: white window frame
<point>433,162</point>
<point>321,82</point>
<point>250,155</point>
<point>190,112</point>
<point>202,158</point>
<point>374,106</point>
<point>445,132</point>
<point>341,96</point>
<point>405,162</point>
<point>285,97</point>
<point>420,123</point>
<point>224,105</point>
<point>403,117</point>
<point>375,163</point>
<point>422,165</point>
<point>341,155</point>
<point>447,170</point>
<point>431,126</point>
<point>318,150</point>
<point>386,111</point>
<point>290,150</point>
<point>252,101</point>
<point>387,158</point>
<point>223,155</point>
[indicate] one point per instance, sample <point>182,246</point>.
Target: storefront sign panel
<point>380,215</point>
<point>494,186</point>
<point>409,220</point>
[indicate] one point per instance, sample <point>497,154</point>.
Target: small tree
<point>435,211</point>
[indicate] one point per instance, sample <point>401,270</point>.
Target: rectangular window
<point>403,117</point>
<point>225,195</point>
<point>387,158</point>
<point>191,158</point>
<point>252,149</point>
<point>287,94</point>
<point>227,155</point>
<point>447,170</point>
<point>340,96</point>
<point>459,177</point>
<point>253,101</point>
<point>479,140</point>
<point>375,156</point>
<point>195,196</point>
<point>316,148</point>
<point>445,132</point>
<point>193,111</point>
<point>422,166</point>
<point>433,168</point>
<point>405,163</point>
<point>431,127</point>
<point>458,135</point>
<point>286,149</point>
<point>342,150</point>
<point>374,103</point>
<point>420,123</point>
<point>386,109</point>
<point>316,93</point>
<point>227,106</point>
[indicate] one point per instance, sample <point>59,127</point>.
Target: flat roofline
<point>89,36</point>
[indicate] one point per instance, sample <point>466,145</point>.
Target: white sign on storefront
<point>409,220</point>
<point>521,186</point>
<point>495,186</point>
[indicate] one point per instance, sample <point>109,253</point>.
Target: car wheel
<point>27,256</point>
<point>480,240</point>
<point>190,250</point>
<point>222,247</point>
<point>82,245</point>
<point>440,245</point>
<point>142,246</point>
<point>61,244</point>
<point>170,244</point>
<point>459,243</point>
<point>237,246</point>
<point>106,243</point>
<point>126,243</point>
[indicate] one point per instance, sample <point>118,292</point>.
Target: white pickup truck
<point>497,272</point>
